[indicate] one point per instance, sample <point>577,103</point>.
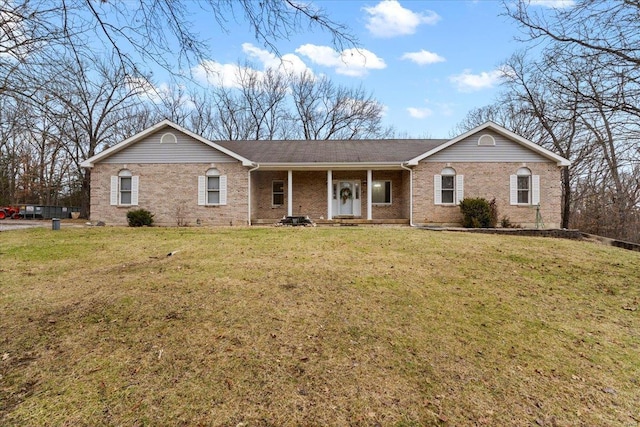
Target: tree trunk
<point>566,197</point>
<point>85,203</point>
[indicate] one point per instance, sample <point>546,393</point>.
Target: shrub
<point>506,223</point>
<point>478,213</point>
<point>139,218</point>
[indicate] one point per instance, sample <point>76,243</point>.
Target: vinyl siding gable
<point>185,150</point>
<point>504,150</point>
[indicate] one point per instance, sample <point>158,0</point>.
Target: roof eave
<point>329,165</point>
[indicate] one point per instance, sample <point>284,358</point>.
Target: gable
<point>508,147</point>
<point>504,150</point>
<point>182,146</point>
<point>154,149</point>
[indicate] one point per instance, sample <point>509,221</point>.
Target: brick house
<point>185,179</point>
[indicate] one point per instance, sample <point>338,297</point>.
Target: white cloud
<point>289,63</point>
<point>423,57</point>
<point>419,113</point>
<point>227,75</point>
<point>350,62</point>
<point>217,74</point>
<point>556,4</point>
<point>468,82</point>
<point>389,19</point>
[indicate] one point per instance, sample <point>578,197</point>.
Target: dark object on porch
<point>294,221</point>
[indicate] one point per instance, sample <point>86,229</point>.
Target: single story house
<point>185,179</point>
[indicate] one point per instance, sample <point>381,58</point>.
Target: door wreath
<point>345,194</point>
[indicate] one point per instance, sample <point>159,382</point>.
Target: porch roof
<point>388,151</point>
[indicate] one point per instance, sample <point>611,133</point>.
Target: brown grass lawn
<point>323,326</point>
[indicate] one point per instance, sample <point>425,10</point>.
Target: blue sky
<point>427,62</point>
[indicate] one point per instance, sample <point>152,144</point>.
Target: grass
<point>324,326</point>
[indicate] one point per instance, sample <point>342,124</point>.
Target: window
<point>277,193</point>
<point>124,189</point>
<point>486,140</point>
<point>524,185</point>
<point>381,192</point>
<point>525,188</point>
<point>168,138</point>
<point>448,187</point>
<point>212,188</point>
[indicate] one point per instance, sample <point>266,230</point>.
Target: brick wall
<point>170,192</point>
<point>487,180</point>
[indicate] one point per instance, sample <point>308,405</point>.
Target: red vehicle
<point>9,212</point>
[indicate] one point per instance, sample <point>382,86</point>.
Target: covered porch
<point>332,196</point>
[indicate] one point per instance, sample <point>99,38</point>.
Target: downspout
<point>249,193</point>
<point>402,165</point>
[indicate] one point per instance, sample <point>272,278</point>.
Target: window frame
<point>118,188</point>
<point>168,138</point>
<point>448,173</point>
<point>523,192</point>
<point>213,190</point>
<point>519,192</point>
<point>523,175</point>
<point>275,193</point>
<point>457,191</point>
<point>125,174</point>
<point>486,140</point>
<point>205,189</point>
<point>388,188</point>
<point>123,191</point>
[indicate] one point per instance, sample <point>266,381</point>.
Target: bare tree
<point>90,101</point>
<point>591,58</point>
<point>598,31</point>
<point>326,111</point>
<point>255,109</point>
<point>153,28</point>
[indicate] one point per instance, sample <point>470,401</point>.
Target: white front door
<point>346,198</point>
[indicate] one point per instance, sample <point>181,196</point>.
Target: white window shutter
<point>437,189</point>
<point>134,190</point>
<point>202,190</point>
<point>459,188</point>
<point>513,189</point>
<point>223,189</point>
<point>114,190</point>
<point>535,189</point>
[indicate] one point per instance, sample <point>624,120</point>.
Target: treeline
<point>580,97</point>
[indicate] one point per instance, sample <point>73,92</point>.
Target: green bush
<point>139,218</point>
<point>478,213</point>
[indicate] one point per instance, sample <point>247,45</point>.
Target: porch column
<point>329,194</point>
<point>289,193</point>
<point>369,190</point>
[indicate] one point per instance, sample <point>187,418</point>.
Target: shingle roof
<point>332,151</point>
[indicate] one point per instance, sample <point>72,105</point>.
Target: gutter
<point>402,165</point>
<point>257,166</point>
